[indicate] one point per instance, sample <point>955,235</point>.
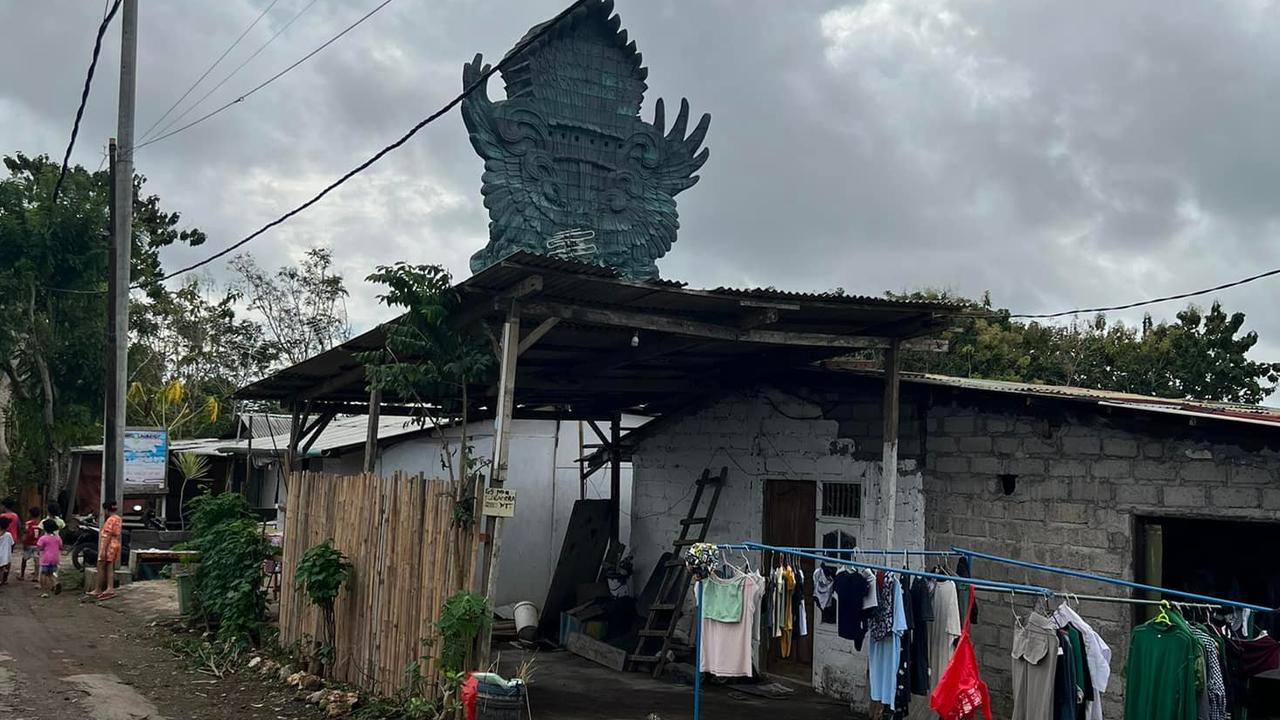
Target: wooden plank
<point>614,317</point>
<point>536,334</point>
<point>585,646</point>
<point>889,459</point>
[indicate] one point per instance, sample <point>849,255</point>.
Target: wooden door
<point>790,520</point>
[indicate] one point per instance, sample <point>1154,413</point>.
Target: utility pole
<point>118,273</point>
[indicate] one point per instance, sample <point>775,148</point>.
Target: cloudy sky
<point>1059,154</point>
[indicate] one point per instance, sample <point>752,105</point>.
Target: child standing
<point>6,549</point>
<point>50,544</point>
<point>30,533</point>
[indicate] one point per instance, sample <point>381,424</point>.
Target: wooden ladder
<point>654,640</point>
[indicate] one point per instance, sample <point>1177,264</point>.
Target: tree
<point>53,270</point>
<point>1202,355</point>
<point>302,307</point>
<point>188,353</point>
<point>427,358</point>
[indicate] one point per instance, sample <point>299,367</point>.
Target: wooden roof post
<point>510,351</point>
<point>889,461</point>
<point>615,476</point>
<point>371,435</point>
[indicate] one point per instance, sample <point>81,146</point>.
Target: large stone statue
<point>570,169</point>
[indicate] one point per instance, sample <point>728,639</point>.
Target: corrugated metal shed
<point>627,346</point>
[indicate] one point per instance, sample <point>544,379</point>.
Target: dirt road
<point>62,658</point>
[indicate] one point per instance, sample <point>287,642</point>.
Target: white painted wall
<point>544,475</point>
<point>752,437</point>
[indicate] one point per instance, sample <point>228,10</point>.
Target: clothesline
<point>1217,602</point>
<point>976,582</point>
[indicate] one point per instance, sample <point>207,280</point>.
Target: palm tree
<point>192,468</point>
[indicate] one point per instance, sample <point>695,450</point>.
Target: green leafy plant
<point>462,618</point>
<point>228,589</point>
<point>320,574</point>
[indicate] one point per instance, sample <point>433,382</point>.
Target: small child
<point>30,533</point>
<point>50,544</point>
<point>6,549</point>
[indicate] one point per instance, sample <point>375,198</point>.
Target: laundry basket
<point>494,702</point>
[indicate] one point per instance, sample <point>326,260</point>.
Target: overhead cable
<point>84,97</point>
<point>479,82</point>
<point>1153,301</point>
<point>269,80</point>
<point>239,67</point>
<point>205,74</point>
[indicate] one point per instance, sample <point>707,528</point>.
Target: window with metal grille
<point>842,500</point>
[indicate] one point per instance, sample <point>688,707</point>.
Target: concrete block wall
<point>1079,483</point>
<point>766,434</point>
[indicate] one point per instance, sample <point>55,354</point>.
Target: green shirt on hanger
<point>1160,678</point>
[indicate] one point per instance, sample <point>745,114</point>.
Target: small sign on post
<point>146,460</point>
<point>499,502</point>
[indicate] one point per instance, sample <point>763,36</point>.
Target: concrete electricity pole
<point>118,272</point>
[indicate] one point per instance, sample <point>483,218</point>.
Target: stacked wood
<point>398,532</point>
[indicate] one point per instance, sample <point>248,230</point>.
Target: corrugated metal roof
<point>1257,414</point>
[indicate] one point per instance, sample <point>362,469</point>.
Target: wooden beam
<point>615,476</point>
<point>524,288</point>
<point>889,459</point>
<point>321,423</point>
<point>646,351</point>
<point>693,328</point>
<point>501,452</point>
<point>756,318</point>
<point>536,334</point>
<point>371,433</point>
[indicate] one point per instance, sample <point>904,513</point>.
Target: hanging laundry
<point>787,590</point>
<point>1097,657</point>
<point>922,613</point>
<point>902,690</point>
<point>885,651</point>
<point>944,631</point>
<point>1064,681</point>
<point>1212,700</point>
<point>1082,690</point>
<point>1161,675</point>
<point>961,694</point>
<point>726,647</point>
<point>851,590</point>
<point>722,599</point>
<point>824,594</point>
<point>1035,664</point>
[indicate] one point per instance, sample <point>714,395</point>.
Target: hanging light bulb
<point>635,339</point>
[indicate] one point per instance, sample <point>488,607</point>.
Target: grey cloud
<point>1057,154</point>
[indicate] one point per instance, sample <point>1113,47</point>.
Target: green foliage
<point>53,270</point>
<point>210,511</point>
<point>229,588</point>
<point>425,356</point>
<point>462,618</point>
<point>321,572</point>
<point>1200,355</point>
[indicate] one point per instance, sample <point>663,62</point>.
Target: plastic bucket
<point>186,594</point>
<point>526,620</point>
<point>498,707</point>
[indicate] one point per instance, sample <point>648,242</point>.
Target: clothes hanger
<point>1163,616</point>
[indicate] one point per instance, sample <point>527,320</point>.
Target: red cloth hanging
<point>467,694</point>
<point>961,693</point>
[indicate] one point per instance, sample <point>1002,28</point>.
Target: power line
<point>269,80</point>
<point>1153,301</point>
<point>84,97</point>
<point>200,79</point>
<point>512,56</point>
<point>239,67</point>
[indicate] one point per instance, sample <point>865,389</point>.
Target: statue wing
<point>519,184</point>
<point>658,168</point>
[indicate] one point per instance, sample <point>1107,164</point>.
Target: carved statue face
<point>570,168</point>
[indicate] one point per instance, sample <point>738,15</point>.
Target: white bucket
<point>526,620</point>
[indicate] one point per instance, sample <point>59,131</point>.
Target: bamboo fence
<point>408,559</point>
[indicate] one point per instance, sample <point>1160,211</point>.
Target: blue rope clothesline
<point>1110,580</point>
